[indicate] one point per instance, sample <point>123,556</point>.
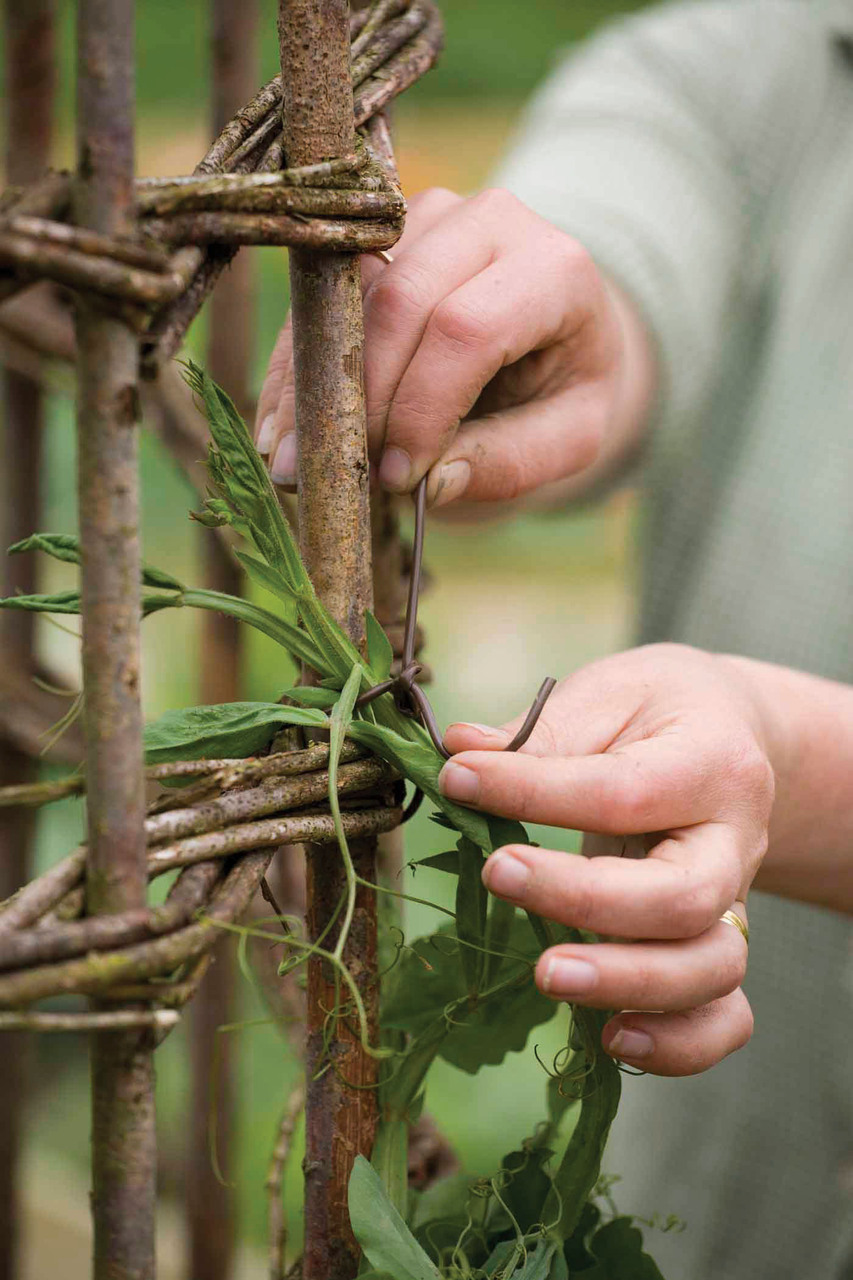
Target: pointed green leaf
<point>380,654</point>
<point>387,1242</point>
<point>232,730</point>
<point>59,602</point>
<point>64,546</point>
<point>313,696</point>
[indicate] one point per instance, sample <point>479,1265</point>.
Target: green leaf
<point>232,730</point>
<point>312,696</point>
<point>380,654</point>
<point>446,861</point>
<point>537,1265</point>
<point>428,980</point>
<point>266,577</point>
<point>421,763</point>
<point>577,1254</point>
<point>59,602</point>
<point>471,906</point>
<point>444,1201</point>
<point>63,546</point>
<point>618,1249</point>
<point>498,930</point>
<point>526,1185</point>
<point>290,637</point>
<point>387,1242</point>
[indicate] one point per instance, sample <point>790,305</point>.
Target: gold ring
<point>732,917</point>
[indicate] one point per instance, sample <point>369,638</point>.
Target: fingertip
<point>265,434</point>
<point>469,736</point>
<point>627,1043</point>
<point>448,481</point>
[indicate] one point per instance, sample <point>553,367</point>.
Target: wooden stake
<point>334,528</point>
<point>123,1132</point>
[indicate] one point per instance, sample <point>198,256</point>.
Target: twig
<point>102,1020</point>
<point>96,973</point>
<point>358,235</point>
<point>277,1234</point>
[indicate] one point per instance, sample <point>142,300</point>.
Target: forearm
<point>807,724</point>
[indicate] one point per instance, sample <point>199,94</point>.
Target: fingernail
<point>506,875</point>
<point>459,783</point>
<point>567,976</point>
<point>486,731</point>
<point>628,1043</point>
<point>453,480</point>
<point>283,467</point>
<point>395,470</point>
<point>263,444</point>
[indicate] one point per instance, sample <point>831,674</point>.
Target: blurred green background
<point>509,604</point>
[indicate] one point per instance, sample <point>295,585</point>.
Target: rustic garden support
<point>84,927</point>
<point>334,531</point>
<point>123,1129</point>
<point>30,74</point>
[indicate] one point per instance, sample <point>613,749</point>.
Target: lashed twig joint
<point>188,229</point>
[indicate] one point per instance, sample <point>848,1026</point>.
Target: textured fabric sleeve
<point>654,145</point>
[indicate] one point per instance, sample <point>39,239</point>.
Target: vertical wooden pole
<point>334,528</point>
<point>210,1206</point>
<point>30,76</point>
<point>123,1133</point>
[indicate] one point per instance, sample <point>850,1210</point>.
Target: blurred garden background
<point>509,603</point>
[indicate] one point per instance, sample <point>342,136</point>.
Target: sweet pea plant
<point>465,993</point>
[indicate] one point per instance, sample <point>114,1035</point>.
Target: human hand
<point>664,742</point>
<point>496,357</point>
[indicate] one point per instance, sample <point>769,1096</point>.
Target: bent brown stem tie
<point>408,695</point>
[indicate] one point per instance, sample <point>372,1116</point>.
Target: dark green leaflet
<point>380,654</point>
<point>618,1249</point>
<point>236,729</point>
<point>471,905</point>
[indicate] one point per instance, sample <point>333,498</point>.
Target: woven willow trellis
<point>139,259</point>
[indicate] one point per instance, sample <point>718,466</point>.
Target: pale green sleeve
<point>656,144</point>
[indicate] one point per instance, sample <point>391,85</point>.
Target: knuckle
<point>433,200</point>
<point>753,771</point>
<point>745,1023</point>
<point>696,906</point>
<point>636,798</point>
<point>459,326</point>
<point>398,299</point>
<point>495,201</point>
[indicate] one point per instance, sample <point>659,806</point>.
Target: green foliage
<point>235,730</point>
<point>466,993</point>
<point>430,987</point>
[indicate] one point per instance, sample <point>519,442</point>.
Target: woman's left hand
<point>664,743</point>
